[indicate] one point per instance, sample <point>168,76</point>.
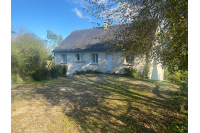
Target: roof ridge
<point>83,29</point>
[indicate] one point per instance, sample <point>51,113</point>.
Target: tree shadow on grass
<point>106,105</point>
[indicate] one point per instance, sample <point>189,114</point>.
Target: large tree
<point>28,52</point>
<point>164,22</point>
<point>53,39</point>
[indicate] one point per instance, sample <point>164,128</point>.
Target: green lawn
<point>97,103</point>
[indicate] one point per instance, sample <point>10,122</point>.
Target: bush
<point>131,72</point>
<point>184,76</point>
<point>56,71</point>
<point>97,72</point>
<point>16,78</point>
<point>184,87</point>
<point>24,64</point>
<point>80,72</point>
<point>40,74</point>
<point>175,78</point>
<point>89,71</point>
<point>178,77</point>
<point>65,68</point>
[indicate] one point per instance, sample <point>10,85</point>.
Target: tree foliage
<point>161,22</point>
<point>28,53</point>
<point>53,39</point>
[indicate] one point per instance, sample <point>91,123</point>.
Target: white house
<point>86,49</point>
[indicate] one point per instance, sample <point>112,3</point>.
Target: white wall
<point>156,71</point>
<point>118,63</point>
<point>75,66</point>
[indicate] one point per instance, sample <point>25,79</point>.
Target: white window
<point>64,58</point>
<point>130,59</point>
<point>77,57</point>
<point>83,57</point>
<point>95,58</point>
<point>80,57</point>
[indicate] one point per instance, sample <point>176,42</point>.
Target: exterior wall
<point>74,66</point>
<point>139,64</point>
<point>156,71</point>
<point>118,63</point>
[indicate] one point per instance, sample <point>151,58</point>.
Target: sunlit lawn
<point>96,103</point>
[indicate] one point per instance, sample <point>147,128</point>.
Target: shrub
<point>16,78</point>
<point>145,73</point>
<point>80,72</point>
<point>135,75</point>
<point>178,77</point>
<point>131,72</point>
<point>89,71</point>
<point>40,74</point>
<point>65,68</point>
<point>93,71</point>
<point>56,71</point>
<point>175,78</point>
<point>28,53</point>
<point>97,72</point>
<point>184,76</point>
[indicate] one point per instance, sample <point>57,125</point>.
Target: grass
<point>97,103</point>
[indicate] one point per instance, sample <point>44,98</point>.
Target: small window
<point>95,58</point>
<point>83,57</point>
<point>80,58</point>
<point>130,59</point>
<point>77,57</point>
<point>64,58</point>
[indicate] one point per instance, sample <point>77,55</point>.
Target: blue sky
<point>60,16</point>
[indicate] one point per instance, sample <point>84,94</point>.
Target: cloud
<point>80,14</point>
<point>122,12</point>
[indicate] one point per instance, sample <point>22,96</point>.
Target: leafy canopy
<point>53,39</point>
<point>160,22</point>
<point>28,52</point>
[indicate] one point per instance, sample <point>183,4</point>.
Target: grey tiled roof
<point>94,39</point>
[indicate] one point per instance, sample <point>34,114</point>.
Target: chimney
<point>105,25</point>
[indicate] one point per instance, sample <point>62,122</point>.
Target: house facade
<point>84,49</point>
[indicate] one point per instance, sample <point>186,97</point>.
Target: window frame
<point>131,58</point>
<point>76,57</point>
<point>95,59</point>
<point>62,61</point>
<point>80,58</point>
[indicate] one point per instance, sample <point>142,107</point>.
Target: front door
<point>109,62</point>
